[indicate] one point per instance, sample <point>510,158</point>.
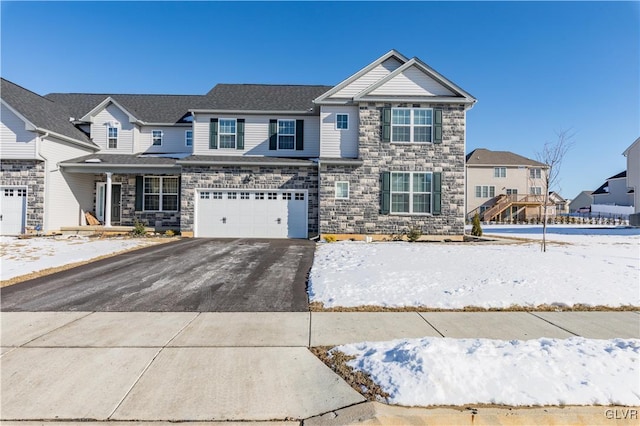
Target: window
<point>188,138</point>
<point>342,121</point>
<point>259,195</point>
<point>299,196</point>
<point>286,196</point>
<point>205,195</point>
<point>217,195</point>
<point>512,192</point>
<point>411,125</point>
<point>485,191</point>
<point>500,172</point>
<point>286,134</point>
<point>535,173</point>
<point>535,190</point>
<point>342,190</point>
<point>232,195</point>
<point>156,137</point>
<point>160,193</point>
<point>244,195</point>
<point>272,195</point>
<point>227,133</point>
<point>112,137</point>
<point>411,192</point>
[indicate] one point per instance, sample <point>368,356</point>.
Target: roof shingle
<point>485,157</point>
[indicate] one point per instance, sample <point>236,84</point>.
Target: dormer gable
<point>89,117</point>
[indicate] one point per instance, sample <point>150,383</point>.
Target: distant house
<point>614,191</point>
<point>502,185</point>
<point>560,203</point>
<point>633,178</point>
<point>581,201</point>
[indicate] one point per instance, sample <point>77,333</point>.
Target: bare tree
<point>552,154</point>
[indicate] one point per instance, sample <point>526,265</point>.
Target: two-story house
<point>633,178</point>
<point>502,185</point>
<point>378,153</point>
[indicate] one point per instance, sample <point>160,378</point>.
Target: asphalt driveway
<point>189,275</point>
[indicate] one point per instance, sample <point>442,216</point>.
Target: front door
<point>116,201</point>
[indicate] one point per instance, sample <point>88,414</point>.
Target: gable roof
<point>604,188</point>
<point>618,176</point>
<point>42,113</point>
<point>633,144</point>
<point>146,108</point>
<point>485,157</point>
<point>263,97</point>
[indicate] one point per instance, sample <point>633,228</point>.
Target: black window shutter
<point>437,125</point>
<point>240,133</point>
<point>386,124</point>
<point>213,134</point>
<point>299,135</point>
<point>179,192</point>
<point>437,193</point>
<point>273,135</point>
<point>385,199</point>
<point>139,192</point>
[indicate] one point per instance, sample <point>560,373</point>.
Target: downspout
<point>45,220</point>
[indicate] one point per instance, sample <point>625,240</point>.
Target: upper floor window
<point>535,190</point>
<point>286,134</point>
<point>411,124</point>
<point>535,173</point>
<point>227,133</point>
<point>156,137</point>
<point>188,138</point>
<point>112,137</point>
<point>342,121</point>
<point>411,192</point>
<point>500,172</point>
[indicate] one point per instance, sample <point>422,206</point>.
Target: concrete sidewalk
<point>181,366</point>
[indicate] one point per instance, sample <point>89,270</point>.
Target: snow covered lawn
<point>26,256</point>
<point>582,266</point>
<point>442,371</point>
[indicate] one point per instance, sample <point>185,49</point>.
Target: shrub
<point>476,229</point>
<point>414,233</point>
<point>138,229</point>
<point>169,233</point>
<point>330,238</point>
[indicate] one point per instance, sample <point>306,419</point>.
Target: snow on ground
<point>443,371</point>
<point>24,256</point>
<point>589,266</point>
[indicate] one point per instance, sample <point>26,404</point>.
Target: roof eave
<point>231,162</point>
<point>426,99</point>
<point>261,112</point>
<point>119,168</point>
<point>88,117</point>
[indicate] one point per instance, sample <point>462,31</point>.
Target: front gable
<point>108,101</point>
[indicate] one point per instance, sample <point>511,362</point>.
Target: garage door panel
<point>13,207</point>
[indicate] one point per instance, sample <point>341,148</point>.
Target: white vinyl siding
<point>173,140</point>
<point>256,136</point>
<point>67,195</point>
<point>338,143</point>
<point>373,76</point>
<point>411,82</point>
<point>112,115</point>
<point>15,141</point>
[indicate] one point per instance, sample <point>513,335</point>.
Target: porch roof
<point>122,163</point>
<point>226,160</point>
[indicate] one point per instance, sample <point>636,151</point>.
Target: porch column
<point>107,204</point>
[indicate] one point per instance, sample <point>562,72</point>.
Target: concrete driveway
<point>190,275</point>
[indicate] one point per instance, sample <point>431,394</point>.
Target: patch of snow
<point>443,371</point>
<point>590,269</point>
<point>24,256</point>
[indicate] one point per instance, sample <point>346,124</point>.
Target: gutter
<point>47,133</point>
<point>261,112</point>
<point>243,163</point>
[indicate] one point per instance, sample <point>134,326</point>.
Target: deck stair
<point>503,202</point>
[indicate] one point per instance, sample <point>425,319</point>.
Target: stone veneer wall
<point>250,178</point>
<point>361,213</point>
<point>129,213</point>
<point>29,173</point>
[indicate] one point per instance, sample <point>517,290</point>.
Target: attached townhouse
<point>378,153</point>
<point>632,153</point>
<point>502,185</point>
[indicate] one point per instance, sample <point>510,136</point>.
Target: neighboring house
<point>502,185</point>
<point>614,191</point>
<point>581,202</point>
<point>376,154</point>
<point>633,178</point>
<point>560,203</point>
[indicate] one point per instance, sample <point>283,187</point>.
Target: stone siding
<point>249,178</point>
<point>29,173</point>
<point>360,214</point>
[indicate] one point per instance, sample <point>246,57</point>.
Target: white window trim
<point>278,134</point>
<point>186,138</point>
<point>411,125</point>
<point>497,172</point>
<point>482,187</point>
<point>536,171</point>
<point>336,190</point>
<point>160,194</point>
<point>342,113</point>
<point>535,190</point>
<point>117,136</point>
<point>153,137</point>
<point>411,193</point>
<point>234,134</point>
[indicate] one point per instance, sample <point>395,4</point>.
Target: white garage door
<point>13,206</point>
<point>251,214</point>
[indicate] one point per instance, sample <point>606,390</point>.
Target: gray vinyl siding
<point>125,130</point>
<point>376,74</point>
<point>172,140</point>
<point>412,82</point>
<point>338,143</point>
<point>67,195</point>
<point>15,141</point>
<point>256,136</point>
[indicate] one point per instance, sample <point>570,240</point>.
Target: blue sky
<point>535,67</point>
